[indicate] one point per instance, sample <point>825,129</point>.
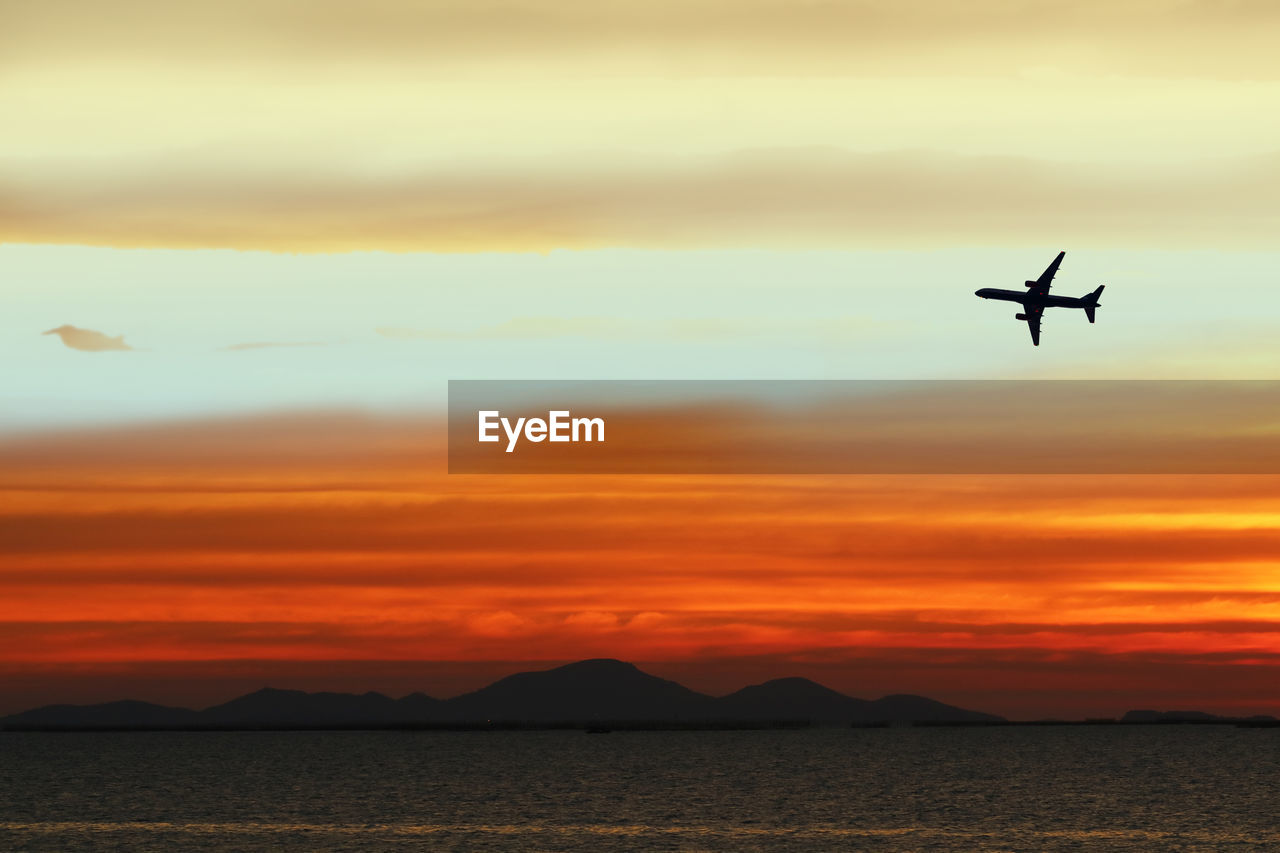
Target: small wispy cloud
<point>608,328</point>
<point>517,328</point>
<point>89,340</point>
<point>270,345</point>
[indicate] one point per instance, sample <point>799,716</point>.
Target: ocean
<point>1166,788</point>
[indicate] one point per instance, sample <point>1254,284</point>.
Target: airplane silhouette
<point>1037,298</point>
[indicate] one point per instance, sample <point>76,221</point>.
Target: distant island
<point>1192,717</point>
<point>596,694</point>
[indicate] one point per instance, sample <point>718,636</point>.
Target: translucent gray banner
<point>865,427</point>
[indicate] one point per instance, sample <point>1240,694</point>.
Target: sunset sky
<point>303,218</point>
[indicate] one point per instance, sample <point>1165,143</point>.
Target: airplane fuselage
<point>1029,298</point>
<point>1036,298</point>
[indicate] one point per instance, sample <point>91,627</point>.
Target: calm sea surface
<point>1033,789</point>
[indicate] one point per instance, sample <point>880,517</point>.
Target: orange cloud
<point>88,340</point>
<point>909,427</point>
<point>313,538</point>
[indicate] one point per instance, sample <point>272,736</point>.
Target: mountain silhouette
<point>601,689</point>
<point>1144,716</point>
<point>921,709</point>
<point>589,691</point>
<point>285,707</point>
<point>124,714</point>
<point>802,699</point>
<point>793,699</point>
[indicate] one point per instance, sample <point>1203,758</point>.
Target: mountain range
<point>1145,716</point>
<point>586,692</point>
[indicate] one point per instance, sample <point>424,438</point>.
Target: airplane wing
<point>1041,285</point>
<point>1033,316</point>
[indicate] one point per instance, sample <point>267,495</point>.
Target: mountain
<point>1145,716</point>
<point>792,699</point>
<point>600,690</point>
<point>802,699</point>
<point>127,714</point>
<point>420,706</point>
<point>268,708</point>
<point>922,709</point>
<point>272,707</point>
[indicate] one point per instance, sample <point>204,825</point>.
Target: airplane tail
<point>1091,304</point>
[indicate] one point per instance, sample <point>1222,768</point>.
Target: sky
<point>270,232</point>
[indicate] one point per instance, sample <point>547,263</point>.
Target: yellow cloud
<point>807,198</point>
<point>695,37</point>
<point>515,126</point>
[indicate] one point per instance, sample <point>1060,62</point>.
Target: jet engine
<point>1019,316</point>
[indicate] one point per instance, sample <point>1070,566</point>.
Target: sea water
<point>1190,788</point>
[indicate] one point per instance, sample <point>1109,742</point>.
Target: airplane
<point>1037,298</point>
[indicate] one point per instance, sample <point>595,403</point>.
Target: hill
<point>589,691</point>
